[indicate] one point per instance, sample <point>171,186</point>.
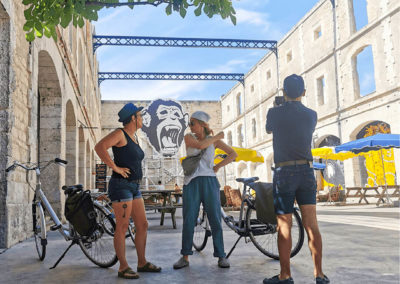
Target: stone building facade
<point>156,168</point>
<point>323,47</point>
<point>49,107</point>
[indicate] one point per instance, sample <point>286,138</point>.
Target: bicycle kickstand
<point>234,246</point>
<point>62,256</point>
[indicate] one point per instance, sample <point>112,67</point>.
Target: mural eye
<point>163,112</point>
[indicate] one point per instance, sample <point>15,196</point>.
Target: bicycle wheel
<point>100,247</point>
<point>39,230</point>
<point>201,231</point>
<point>265,236</point>
<point>132,231</point>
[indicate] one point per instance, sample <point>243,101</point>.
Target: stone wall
<point>42,107</point>
<point>322,44</point>
<point>153,165</point>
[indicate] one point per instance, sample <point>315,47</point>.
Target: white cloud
<point>150,90</point>
<point>254,18</point>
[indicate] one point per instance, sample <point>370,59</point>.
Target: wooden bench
<point>379,192</point>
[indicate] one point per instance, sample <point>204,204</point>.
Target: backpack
<point>79,211</point>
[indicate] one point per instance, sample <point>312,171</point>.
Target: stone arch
<point>365,130</point>
<point>328,141</point>
<point>88,169</point>
<point>82,157</point>
<point>4,117</point>
<point>50,109</point>
<point>71,144</point>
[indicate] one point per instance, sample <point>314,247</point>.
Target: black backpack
<point>79,211</point>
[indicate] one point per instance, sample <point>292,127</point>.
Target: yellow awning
<point>328,153</point>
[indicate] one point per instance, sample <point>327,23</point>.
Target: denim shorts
<point>293,182</point>
<point>120,190</point>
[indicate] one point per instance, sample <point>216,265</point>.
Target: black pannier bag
<point>79,211</point>
<point>265,203</point>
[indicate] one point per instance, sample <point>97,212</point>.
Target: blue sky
<point>256,19</point>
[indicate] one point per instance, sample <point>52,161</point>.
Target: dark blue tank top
<point>129,156</point>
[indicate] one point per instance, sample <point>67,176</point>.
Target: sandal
<point>128,273</point>
<point>149,267</point>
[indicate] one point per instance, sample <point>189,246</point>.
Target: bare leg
<point>309,216</point>
<point>122,212</point>
<point>141,225</point>
<point>284,244</point>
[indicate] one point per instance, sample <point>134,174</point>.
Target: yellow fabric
<point>247,155</point>
<point>328,153</point>
<point>377,171</point>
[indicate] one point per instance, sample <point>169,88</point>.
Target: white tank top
<point>206,163</point>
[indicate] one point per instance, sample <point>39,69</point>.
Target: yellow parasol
<point>247,155</point>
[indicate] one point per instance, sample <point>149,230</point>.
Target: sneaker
<point>223,262</point>
<point>276,280</point>
<point>181,263</point>
<point>322,280</point>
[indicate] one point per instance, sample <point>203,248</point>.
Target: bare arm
<point>192,142</point>
<point>115,138</point>
<point>232,155</point>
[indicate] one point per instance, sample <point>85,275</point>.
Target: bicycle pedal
<point>55,227</point>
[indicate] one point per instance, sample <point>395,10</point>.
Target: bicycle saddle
<point>247,181</point>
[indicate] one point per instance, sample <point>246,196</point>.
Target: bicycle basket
<point>79,211</point>
<point>265,203</point>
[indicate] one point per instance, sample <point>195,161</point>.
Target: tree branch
<point>105,4</point>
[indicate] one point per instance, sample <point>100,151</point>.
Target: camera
<point>279,100</point>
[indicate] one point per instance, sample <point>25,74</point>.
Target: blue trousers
<point>203,189</point>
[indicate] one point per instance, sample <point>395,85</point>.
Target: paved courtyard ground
<point>361,245</point>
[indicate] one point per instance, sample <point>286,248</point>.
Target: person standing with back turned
<point>292,125</point>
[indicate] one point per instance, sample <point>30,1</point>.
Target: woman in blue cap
<point>123,188</point>
<point>202,187</point>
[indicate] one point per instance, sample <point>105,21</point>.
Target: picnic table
<point>167,206</point>
<point>380,192</point>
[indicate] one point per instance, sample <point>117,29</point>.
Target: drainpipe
<point>336,71</point>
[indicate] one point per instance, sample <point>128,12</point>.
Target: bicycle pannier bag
<point>79,211</point>
<point>265,203</point>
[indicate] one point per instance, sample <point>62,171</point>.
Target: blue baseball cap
<point>201,115</point>
<point>293,86</point>
<point>127,111</point>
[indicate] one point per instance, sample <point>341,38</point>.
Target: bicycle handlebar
<point>72,188</point>
<point>35,166</point>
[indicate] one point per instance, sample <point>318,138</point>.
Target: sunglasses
<point>192,123</point>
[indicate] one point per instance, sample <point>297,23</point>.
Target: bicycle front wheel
<point>39,230</point>
<point>201,231</point>
<point>265,236</point>
<point>100,248</point>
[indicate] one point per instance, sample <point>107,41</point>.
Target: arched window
<point>364,72</point>
<point>229,138</point>
<point>254,127</point>
<point>240,135</point>
<point>239,104</point>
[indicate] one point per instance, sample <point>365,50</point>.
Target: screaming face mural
<point>164,123</point>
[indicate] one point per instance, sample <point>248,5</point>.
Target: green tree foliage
<point>42,16</point>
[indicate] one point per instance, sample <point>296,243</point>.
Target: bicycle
<point>263,236</point>
<point>98,247</point>
<point>106,202</point>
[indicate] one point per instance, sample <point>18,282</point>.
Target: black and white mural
<point>164,123</point>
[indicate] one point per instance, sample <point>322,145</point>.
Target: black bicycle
<point>262,235</point>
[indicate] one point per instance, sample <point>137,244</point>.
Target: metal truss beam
<point>99,40</point>
<point>170,76</point>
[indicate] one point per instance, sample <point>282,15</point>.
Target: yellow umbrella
<point>328,153</point>
<point>247,155</point>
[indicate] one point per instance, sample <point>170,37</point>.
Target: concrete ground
<point>361,245</point>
